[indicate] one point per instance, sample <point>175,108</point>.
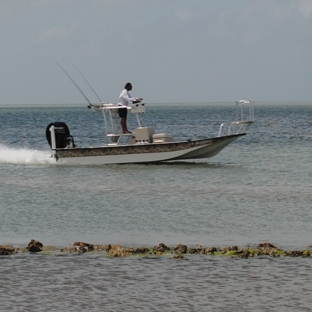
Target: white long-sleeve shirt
<point>125,98</point>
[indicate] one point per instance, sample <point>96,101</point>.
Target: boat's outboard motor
<point>63,138</point>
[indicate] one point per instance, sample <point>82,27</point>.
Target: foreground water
<point>200,283</point>
<point>257,189</point>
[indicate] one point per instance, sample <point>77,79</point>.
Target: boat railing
<point>234,127</point>
<point>110,115</point>
<point>243,120</point>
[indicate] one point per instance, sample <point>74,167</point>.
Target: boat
<point>144,145</point>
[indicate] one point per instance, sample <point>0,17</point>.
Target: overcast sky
<point>171,50</point>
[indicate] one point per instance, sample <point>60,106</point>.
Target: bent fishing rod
<point>73,81</point>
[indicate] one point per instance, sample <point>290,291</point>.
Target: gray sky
<point>171,50</point>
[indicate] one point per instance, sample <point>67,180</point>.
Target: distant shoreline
<point>260,103</point>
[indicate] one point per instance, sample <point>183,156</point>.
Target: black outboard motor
<point>63,138</point>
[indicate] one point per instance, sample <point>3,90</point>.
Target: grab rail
<point>241,126</point>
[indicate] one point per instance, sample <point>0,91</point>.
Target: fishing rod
<point>73,81</point>
<point>86,81</point>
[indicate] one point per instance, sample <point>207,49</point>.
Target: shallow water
<point>255,190</point>
<point>195,283</point>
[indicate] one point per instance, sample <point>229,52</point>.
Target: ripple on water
<point>196,283</point>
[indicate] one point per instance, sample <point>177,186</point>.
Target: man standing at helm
<point>125,99</point>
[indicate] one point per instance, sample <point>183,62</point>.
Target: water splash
<point>26,156</point>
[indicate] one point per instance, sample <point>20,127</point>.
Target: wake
<point>24,156</point>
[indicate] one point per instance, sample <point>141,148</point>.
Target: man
<point>125,99</point>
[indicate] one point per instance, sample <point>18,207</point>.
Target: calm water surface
<point>257,189</point>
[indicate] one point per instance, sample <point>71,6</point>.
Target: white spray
<point>10,155</point>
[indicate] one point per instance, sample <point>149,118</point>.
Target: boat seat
<point>162,137</point>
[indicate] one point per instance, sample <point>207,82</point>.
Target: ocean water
<point>257,189</point>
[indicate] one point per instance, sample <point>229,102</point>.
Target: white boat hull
<point>143,153</point>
